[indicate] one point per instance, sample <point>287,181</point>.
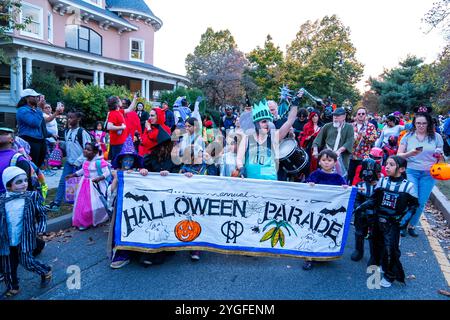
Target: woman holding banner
<point>256,158</point>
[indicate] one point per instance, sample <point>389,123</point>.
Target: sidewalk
<point>52,178</point>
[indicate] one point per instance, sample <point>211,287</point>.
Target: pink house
<point>97,41</point>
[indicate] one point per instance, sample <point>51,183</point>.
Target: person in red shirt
<point>116,124</point>
<point>155,131</point>
<point>133,123</point>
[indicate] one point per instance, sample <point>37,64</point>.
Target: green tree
<point>400,89</point>
<point>91,100</point>
<point>9,13</point>
<point>322,60</point>
<point>437,74</point>
<point>266,67</point>
<point>48,84</point>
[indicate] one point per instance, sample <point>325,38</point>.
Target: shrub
<point>91,100</point>
<point>48,84</point>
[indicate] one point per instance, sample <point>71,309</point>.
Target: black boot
<point>359,248</point>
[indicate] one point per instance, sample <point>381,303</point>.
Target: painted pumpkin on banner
<point>187,230</point>
<point>440,171</point>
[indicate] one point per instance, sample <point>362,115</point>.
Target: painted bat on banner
<point>136,198</point>
<point>333,212</point>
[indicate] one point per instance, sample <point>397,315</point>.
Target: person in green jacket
<point>339,137</point>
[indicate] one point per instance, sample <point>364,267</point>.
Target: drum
<point>293,159</point>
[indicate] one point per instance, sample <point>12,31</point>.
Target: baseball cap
<point>339,112</point>
<point>29,93</point>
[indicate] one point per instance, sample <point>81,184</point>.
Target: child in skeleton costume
<point>22,217</point>
<point>369,175</point>
<point>392,198</point>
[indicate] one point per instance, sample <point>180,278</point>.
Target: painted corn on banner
<point>231,215</point>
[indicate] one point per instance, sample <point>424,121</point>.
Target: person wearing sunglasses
<point>421,148</point>
<point>365,136</point>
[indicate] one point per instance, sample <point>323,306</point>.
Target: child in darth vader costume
<point>393,197</point>
<point>369,175</point>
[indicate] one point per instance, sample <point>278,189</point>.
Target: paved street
<point>219,276</point>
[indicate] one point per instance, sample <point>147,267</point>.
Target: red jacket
<point>133,123</point>
<point>158,133</point>
<point>308,133</point>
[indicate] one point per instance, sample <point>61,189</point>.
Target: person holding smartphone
<point>421,147</point>
<point>31,124</point>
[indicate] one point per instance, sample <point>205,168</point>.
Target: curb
<point>59,223</point>
<point>441,202</point>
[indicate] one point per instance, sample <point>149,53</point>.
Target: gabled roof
<point>134,6</point>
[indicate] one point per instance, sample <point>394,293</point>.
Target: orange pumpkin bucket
<point>440,171</point>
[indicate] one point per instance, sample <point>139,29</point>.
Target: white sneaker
<point>384,283</point>
<point>119,264</point>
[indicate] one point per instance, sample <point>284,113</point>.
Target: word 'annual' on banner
<point>231,215</point>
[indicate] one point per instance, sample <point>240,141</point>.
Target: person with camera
<point>31,124</point>
<point>421,147</point>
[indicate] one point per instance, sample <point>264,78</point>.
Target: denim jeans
<point>423,183</point>
<point>60,194</point>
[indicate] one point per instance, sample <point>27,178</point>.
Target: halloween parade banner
<point>231,216</point>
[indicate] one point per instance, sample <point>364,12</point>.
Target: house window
<point>50,27</point>
<point>136,49</point>
<point>84,39</point>
<point>35,28</point>
<point>5,16</point>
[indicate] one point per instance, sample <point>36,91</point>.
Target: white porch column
<point>143,88</point>
<point>102,79</point>
<point>19,77</point>
<point>28,71</point>
<point>147,89</point>
<point>95,80</point>
<point>13,81</point>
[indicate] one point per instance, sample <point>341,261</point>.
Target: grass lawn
<point>444,187</point>
<point>65,207</point>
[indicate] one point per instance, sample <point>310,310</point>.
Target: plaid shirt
<point>367,135</point>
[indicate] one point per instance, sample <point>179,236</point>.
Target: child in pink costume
<point>88,209</point>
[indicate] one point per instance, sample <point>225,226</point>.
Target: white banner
<point>231,215</point>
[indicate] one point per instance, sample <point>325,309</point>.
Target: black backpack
<point>79,136</point>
